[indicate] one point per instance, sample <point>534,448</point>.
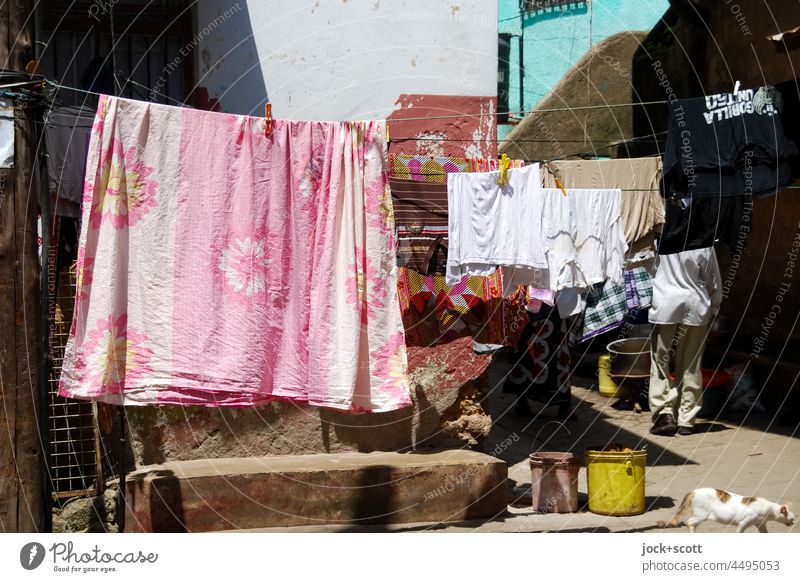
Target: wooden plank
<point>8,372</point>
<point>3,34</point>
<point>28,445</point>
<point>8,382</point>
<point>21,491</point>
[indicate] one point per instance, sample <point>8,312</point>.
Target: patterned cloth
<point>418,203</point>
<point>420,211</point>
<point>608,304</point>
<point>427,168</point>
<point>220,267</point>
<point>423,249</point>
<point>542,361</point>
<point>434,312</point>
<point>490,165</point>
<point>606,309</point>
<point>638,288</point>
<point>434,169</point>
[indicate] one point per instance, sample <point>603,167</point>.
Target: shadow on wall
<point>229,73</point>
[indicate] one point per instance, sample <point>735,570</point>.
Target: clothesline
<point>446,139</point>
<point>399,119</point>
<point>525,113</point>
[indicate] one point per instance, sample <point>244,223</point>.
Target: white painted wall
<point>343,59</point>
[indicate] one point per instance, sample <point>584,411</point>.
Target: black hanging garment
<point>722,151</point>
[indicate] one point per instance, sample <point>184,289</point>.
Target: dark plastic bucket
<point>554,482</point>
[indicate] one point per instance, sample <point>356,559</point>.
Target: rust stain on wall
<point>444,125</point>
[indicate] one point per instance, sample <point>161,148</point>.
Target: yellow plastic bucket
<point>616,481</point>
<point>607,386</point>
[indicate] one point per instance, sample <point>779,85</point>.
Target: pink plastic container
<point>554,482</point>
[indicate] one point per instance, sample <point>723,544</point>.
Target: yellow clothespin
<point>505,164</point>
<point>560,186</point>
<point>556,177</point>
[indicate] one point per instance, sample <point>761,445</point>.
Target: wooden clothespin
<point>505,164</point>
<point>268,120</point>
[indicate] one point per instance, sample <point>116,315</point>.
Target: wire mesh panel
<point>74,465</point>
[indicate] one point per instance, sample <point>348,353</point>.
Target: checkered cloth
<point>606,309</point>
<point>638,288</point>
<point>607,304</point>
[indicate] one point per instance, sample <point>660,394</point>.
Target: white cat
<point>728,508</point>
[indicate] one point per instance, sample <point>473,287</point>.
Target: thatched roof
<point>601,77</point>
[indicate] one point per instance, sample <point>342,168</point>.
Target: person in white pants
<point>687,292</point>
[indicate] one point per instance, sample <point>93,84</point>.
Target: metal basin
<point>630,357</point>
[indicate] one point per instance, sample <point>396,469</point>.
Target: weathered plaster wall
<point>343,59</point>
<point>449,386</point>
<point>444,126</point>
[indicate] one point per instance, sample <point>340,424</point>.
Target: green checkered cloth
<point>638,288</point>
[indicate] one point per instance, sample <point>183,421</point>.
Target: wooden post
<point>21,474</point>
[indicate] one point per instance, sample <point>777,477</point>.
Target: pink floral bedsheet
<point>219,267</point>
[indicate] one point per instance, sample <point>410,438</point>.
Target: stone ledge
<point>349,488</point>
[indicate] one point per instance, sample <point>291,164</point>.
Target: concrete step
<point>310,490</point>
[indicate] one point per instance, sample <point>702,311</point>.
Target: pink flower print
<point>366,289</point>
<point>380,213</point>
<point>126,192</point>
<point>311,179</point>
<point>100,118</point>
<point>83,275</point>
<point>242,262</point>
<point>391,367</point>
<point>114,355</point>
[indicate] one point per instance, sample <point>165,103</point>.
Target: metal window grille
<point>543,5</point>
<point>75,450</point>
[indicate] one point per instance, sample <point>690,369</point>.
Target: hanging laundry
<point>638,288</point>
<point>543,238</point>
<point>67,138</point>
<point>420,211</point>
<point>491,164</point>
<point>697,223</point>
<point>687,288</point>
<point>219,267</point>
<point>435,312</point>
<point>722,150</point>
<point>432,169</point>
<point>584,239</point>
<point>6,133</point>
<point>423,249</point>
<point>608,304</point>
<point>540,366</point>
<point>491,225</point>
<point>730,144</point>
<point>642,207</point>
<point>420,207</point>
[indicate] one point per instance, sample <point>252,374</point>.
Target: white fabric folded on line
<point>542,237</point>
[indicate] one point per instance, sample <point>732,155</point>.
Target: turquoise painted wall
<point>555,39</point>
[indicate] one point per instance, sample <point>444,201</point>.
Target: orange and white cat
<point>728,508</point>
